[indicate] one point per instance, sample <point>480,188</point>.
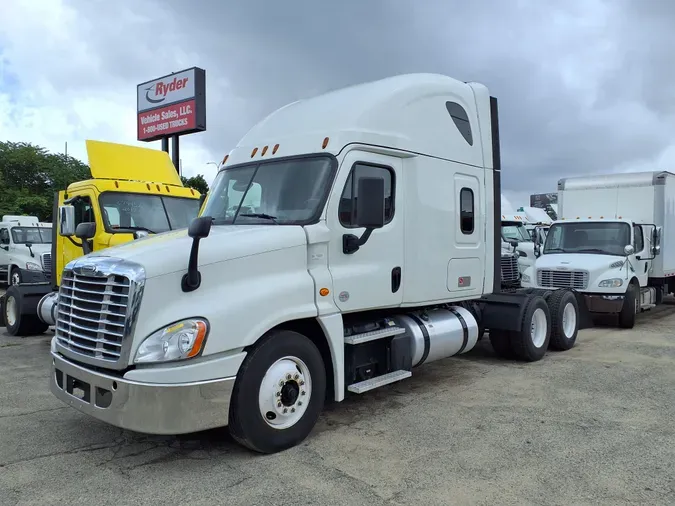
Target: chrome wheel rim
<point>285,393</point>
<point>538,328</point>
<point>569,320</point>
<point>10,311</point>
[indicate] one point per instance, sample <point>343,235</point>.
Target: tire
<point>14,277</point>
<point>531,342</point>
<point>629,309</point>
<point>257,417</point>
<point>564,310</point>
<point>19,324</point>
<point>501,343</point>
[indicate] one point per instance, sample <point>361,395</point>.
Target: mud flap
<point>585,317</point>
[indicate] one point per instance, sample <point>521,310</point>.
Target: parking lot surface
<point>591,425</point>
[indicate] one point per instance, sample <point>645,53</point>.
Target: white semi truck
<point>369,244</point>
<point>607,243</point>
<point>25,249</point>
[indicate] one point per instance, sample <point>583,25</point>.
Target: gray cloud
<point>584,85</point>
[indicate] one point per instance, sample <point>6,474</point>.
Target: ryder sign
<point>171,105</point>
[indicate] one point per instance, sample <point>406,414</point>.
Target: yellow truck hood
<point>108,160</point>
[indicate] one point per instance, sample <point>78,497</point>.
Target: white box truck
<point>346,240</point>
<point>607,243</point>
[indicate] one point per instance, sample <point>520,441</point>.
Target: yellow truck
<point>134,192</point>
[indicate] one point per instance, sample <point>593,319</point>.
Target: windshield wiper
<point>264,216</point>
<point>592,250</point>
<point>139,228</point>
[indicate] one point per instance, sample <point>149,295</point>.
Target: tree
<point>197,182</point>
<point>29,176</point>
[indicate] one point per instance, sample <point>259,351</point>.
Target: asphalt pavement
<point>589,426</point>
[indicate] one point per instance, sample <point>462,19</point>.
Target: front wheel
<point>629,309</point>
<point>15,277</point>
<point>18,322</point>
<point>279,393</point>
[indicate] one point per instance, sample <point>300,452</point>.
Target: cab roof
<point>426,114</point>
<point>108,160</point>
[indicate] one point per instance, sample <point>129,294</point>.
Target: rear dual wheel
<point>547,323</point>
<point>532,340</point>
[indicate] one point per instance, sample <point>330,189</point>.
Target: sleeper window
<point>466,211</point>
<point>347,208</point>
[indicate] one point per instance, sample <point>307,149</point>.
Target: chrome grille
<point>46,262</point>
<point>509,268</point>
<point>91,314</point>
<point>552,278</point>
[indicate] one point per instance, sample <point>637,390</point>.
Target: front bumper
<point>152,408</point>
<point>604,303</point>
<point>34,277</point>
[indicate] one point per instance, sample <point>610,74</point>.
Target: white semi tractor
<point>25,249</point>
<point>607,243</point>
<point>370,245</point>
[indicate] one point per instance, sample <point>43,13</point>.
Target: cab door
<point>85,212</point>
<point>641,254</point>
<point>371,276</point>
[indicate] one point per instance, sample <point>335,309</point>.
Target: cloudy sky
<point>585,86</point>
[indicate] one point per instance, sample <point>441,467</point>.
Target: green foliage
<point>29,176</point>
<point>197,182</point>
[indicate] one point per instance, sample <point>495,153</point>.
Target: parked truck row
<point>133,192</point>
<point>347,240</point>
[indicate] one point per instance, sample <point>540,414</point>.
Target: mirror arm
<point>192,278</point>
<point>352,243</point>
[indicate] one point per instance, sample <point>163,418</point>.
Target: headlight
<point>178,341</point>
<point>526,278</point>
<point>32,266</point>
<point>611,283</point>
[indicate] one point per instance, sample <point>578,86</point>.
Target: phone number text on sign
<point>168,120</point>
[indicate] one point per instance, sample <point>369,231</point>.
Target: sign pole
<point>165,144</point>
<point>175,154</point>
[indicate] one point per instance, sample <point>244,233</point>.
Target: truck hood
<point>169,252</point>
<point>581,261</point>
<point>108,160</point>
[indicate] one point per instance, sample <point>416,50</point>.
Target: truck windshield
<point>35,235</point>
<point>595,238</point>
<point>283,192</point>
<point>123,212</point>
<point>514,232</point>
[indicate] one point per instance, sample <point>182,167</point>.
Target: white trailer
<point>607,243</point>
<point>370,245</point>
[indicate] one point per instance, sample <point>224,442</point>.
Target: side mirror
<point>66,221</point>
<point>200,227</point>
<point>28,244</point>
<point>370,203</point>
<point>656,241</point>
<point>537,249</point>
<point>369,213</point>
<point>85,231</point>
<point>628,250</point>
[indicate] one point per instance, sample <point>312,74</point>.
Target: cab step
<point>374,334</point>
<point>378,381</point>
